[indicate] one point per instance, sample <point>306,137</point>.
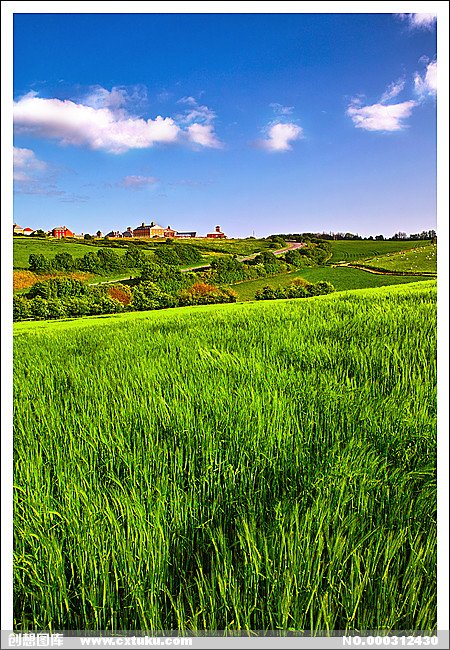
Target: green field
<point>245,466</point>
<point>418,260</point>
<point>342,278</point>
<point>23,247</point>
<point>352,251</point>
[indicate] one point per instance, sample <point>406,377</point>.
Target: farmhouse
<point>153,230</point>
<point>17,230</point>
<point>170,232</point>
<point>61,231</point>
<point>114,234</point>
<point>128,232</point>
<point>217,234</point>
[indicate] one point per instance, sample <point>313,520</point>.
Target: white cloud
<point>104,128</point>
<point>419,21</point>
<point>394,89</point>
<point>116,98</point>
<point>381,117</point>
<point>196,113</point>
<point>426,85</point>
<point>280,109</point>
<point>137,182</point>
<point>203,134</point>
<point>280,136</point>
<point>26,164</point>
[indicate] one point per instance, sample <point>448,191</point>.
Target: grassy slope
<point>423,259</point>
<point>342,278</point>
<point>352,251</point>
<point>25,246</point>
<point>268,465</point>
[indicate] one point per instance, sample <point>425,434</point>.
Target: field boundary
<point>380,271</point>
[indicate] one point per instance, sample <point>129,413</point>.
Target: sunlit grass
<point>352,251</point>
<point>419,260</point>
<point>259,466</point>
<point>342,278</point>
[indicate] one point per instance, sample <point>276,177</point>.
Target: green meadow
<point>260,466</point>
<point>418,260</point>
<point>341,277</point>
<point>353,251</point>
<point>23,247</point>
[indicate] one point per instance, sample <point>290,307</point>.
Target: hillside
<point>421,259</point>
<point>342,278</point>
<point>275,470</point>
<point>353,251</point>
<point>206,252</point>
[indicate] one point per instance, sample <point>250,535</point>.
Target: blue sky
<point>261,123</point>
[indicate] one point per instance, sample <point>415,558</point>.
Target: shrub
<point>120,292</point>
<point>89,262</point>
<point>299,288</point>
<point>109,260</point>
<point>325,287</point>
<point>58,288</point>
<point>39,263</point>
<point>21,308</point>
<point>63,262</point>
<point>134,257</point>
<point>148,295</point>
<point>77,306</point>
<point>178,254</point>
<point>39,308</point>
<point>202,293</point>
<point>56,308</point>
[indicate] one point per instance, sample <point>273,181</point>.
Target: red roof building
<point>169,232</point>
<point>217,234</point>
<point>61,231</point>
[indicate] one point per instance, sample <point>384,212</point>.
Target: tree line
<point>106,259</point>
<point>330,236</point>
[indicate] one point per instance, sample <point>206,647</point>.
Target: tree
<point>379,237</point>
<point>109,260</point>
<point>39,308</point>
<point>88,237</point>
<point>21,308</point>
<point>39,263</point>
<point>134,257</point>
<point>39,233</point>
<point>63,262</point>
<point>89,262</point>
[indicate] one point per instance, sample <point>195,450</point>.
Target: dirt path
<point>205,267</point>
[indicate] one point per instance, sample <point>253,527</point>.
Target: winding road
<point>204,267</point>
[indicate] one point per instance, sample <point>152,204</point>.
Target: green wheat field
<point>258,466</point>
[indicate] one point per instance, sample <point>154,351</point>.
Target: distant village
<point>153,230</point>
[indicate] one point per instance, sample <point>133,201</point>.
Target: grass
<point>23,247</point>
<point>244,466</point>
<point>419,260</point>
<point>352,251</point>
<point>342,278</point>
